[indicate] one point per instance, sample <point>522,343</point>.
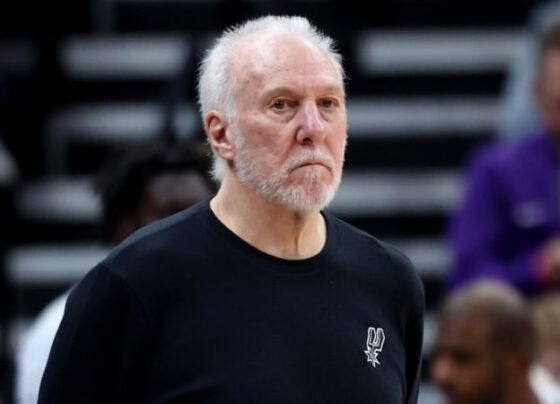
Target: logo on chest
<point>374,344</point>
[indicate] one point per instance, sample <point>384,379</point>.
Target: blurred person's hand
<point>549,261</point>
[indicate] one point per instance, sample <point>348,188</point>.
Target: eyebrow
<point>283,90</point>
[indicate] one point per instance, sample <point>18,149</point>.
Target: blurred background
<point>81,79</point>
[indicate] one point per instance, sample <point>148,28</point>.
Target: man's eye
<point>328,103</point>
<point>279,104</point>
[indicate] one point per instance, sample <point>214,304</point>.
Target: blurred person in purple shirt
<point>507,225</point>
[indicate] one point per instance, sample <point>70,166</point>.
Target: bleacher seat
<point>110,124</point>
<point>440,51</point>
<point>131,57</point>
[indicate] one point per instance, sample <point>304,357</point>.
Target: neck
<point>520,393</point>
<point>272,228</point>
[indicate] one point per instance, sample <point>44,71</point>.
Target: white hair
<point>217,82</point>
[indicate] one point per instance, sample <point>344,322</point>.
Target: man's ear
<point>216,125</point>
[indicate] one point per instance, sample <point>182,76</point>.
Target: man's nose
<point>312,125</point>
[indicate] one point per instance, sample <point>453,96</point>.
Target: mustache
<point>303,157</point>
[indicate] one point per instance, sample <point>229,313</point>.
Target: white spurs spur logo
<point>374,344</point>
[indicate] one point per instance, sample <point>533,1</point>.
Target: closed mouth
<point>314,163</point>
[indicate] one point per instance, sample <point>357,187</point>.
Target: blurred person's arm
<point>548,262</point>
<point>99,350</point>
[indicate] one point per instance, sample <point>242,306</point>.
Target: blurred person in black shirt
<point>145,185</point>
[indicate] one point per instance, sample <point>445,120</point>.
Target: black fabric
<point>185,311</point>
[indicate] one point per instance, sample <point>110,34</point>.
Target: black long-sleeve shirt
<point>187,312</point>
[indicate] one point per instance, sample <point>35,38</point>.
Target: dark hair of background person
<point>124,181</point>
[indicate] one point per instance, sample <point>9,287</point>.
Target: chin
<point>306,198</point>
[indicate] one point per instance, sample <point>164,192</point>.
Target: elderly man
<point>484,347</point>
<point>255,296</point>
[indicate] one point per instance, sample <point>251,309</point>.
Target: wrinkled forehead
<point>259,57</point>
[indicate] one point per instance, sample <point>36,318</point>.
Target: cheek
<point>337,148</point>
<point>484,379</point>
<point>267,141</point>
<point>339,135</point>
<point>551,111</point>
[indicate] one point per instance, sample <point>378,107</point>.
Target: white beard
<point>309,195</point>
